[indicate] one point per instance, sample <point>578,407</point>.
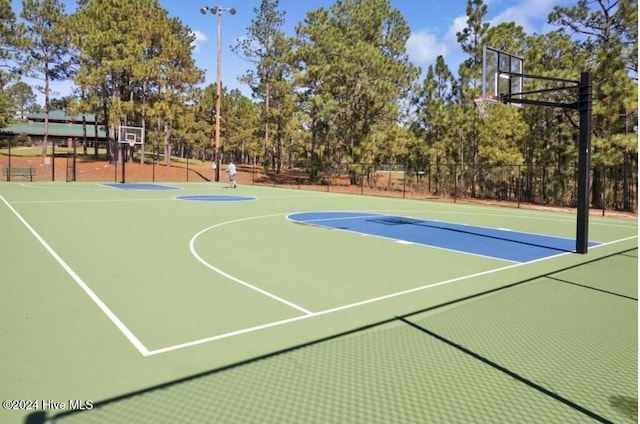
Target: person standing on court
<point>231,170</point>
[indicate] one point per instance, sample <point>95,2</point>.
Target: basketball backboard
<point>502,74</point>
<point>130,135</point>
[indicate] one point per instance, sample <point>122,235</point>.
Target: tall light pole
<point>217,10</point>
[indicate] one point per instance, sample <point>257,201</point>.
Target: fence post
<point>153,163</point>
<point>9,165</point>
<point>455,182</point>
<point>404,182</point>
<point>53,161</point>
<point>604,188</point>
<point>519,184</point>
<point>327,173</point>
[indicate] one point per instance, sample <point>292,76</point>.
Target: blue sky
<point>433,25</point>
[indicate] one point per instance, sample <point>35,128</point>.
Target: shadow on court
<point>540,350</point>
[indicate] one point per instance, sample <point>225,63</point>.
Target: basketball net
<point>483,106</point>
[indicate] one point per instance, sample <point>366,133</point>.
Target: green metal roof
<point>61,115</point>
<point>55,129</point>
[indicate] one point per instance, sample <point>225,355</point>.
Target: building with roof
<point>62,129</point>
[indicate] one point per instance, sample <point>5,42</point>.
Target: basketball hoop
<point>131,137</point>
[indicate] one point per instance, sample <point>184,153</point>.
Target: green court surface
<point>164,306</point>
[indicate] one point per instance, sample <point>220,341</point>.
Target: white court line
<point>525,214</point>
<point>324,312</point>
<point>51,202</point>
<point>103,307</point>
<point>308,314</point>
<point>313,221</point>
<point>355,304</point>
<point>237,280</point>
<point>333,219</point>
<point>399,241</point>
<point>120,186</point>
<point>159,199</point>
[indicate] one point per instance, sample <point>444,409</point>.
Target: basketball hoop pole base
<point>584,160</point>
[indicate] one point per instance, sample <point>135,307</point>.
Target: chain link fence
<point>612,188</point>
<point>84,165</point>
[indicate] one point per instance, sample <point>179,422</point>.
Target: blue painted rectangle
<point>497,243</point>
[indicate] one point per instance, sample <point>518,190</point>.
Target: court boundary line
<point>53,202</point>
<point>526,213</point>
<point>326,311</point>
<point>357,304</point>
<point>92,295</point>
<point>119,186</point>
<point>212,198</point>
<point>130,336</point>
<point>297,347</point>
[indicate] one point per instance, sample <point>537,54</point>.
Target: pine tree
<point>470,39</point>
<point>11,38</point>
<point>354,73</point>
<point>268,49</point>
<point>137,61</point>
<point>608,35</point>
<point>22,98</point>
<point>45,54</point>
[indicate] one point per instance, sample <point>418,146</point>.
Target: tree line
<point>341,89</point>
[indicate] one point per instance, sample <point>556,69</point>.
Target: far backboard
<point>502,74</point>
<point>130,135</point>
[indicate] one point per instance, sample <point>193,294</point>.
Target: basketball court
<point>311,306</point>
<point>165,303</point>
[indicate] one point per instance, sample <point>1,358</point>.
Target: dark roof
<point>55,129</point>
<point>61,116</point>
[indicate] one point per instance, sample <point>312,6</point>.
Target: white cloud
<point>454,52</point>
<point>458,25</point>
<point>520,15</point>
<point>424,48</point>
<point>531,15</point>
<point>201,37</point>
